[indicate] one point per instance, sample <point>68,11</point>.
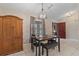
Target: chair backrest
<point>33,38</point>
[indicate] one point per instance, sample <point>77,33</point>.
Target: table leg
<point>39,50</point>
<point>36,51</point>
<point>46,52</point>
<point>42,50</point>
<point>59,44</point>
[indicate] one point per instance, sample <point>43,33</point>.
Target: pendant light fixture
<point>43,13</point>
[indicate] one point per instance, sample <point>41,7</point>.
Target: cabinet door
<point>18,35</point>
<point>12,35</point>
<point>7,35</point>
<point>1,42</point>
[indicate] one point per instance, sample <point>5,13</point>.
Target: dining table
<point>44,39</point>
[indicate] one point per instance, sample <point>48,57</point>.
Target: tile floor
<point>68,48</point>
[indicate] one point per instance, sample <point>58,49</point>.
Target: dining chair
<point>34,43</point>
<point>52,43</point>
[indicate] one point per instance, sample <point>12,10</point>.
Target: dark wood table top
<point>44,38</point>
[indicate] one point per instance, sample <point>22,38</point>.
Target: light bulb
<point>42,16</point>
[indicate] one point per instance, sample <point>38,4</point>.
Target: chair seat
<point>36,44</point>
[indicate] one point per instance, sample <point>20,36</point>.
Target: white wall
<point>72,26</point>
<point>48,25</point>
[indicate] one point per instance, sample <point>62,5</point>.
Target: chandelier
<point>43,13</point>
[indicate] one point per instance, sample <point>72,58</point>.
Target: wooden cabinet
<point>1,39</point>
<point>11,36</point>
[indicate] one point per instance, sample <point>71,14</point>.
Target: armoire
<point>11,35</point>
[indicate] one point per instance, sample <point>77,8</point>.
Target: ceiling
<point>54,12</point>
